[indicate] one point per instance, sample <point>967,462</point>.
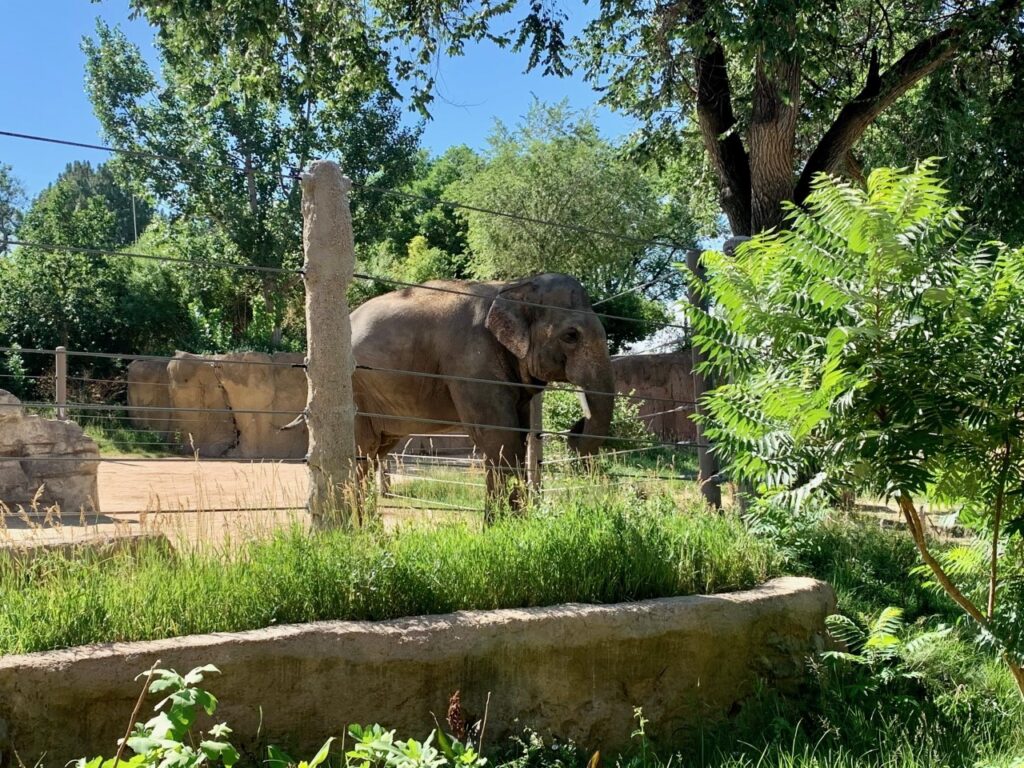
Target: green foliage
<point>599,545</point>
<point>218,107</point>
<point>555,167</point>
<point>12,200</point>
<point>562,410</point>
<point>88,302</point>
<point>167,739</point>
<point>871,347</point>
<point>971,118</point>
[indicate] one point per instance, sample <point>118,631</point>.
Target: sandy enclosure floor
<point>187,501</point>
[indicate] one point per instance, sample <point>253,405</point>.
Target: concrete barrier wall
<point>574,671</point>
<point>193,382</point>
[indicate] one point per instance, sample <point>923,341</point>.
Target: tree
<point>51,297</point>
<point>780,91</point>
<point>970,118</point>
<point>623,234</point>
<point>12,199</point>
<point>869,346</point>
<point>223,133</point>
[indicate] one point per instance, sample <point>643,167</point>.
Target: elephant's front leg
<point>493,419</point>
<point>505,462</point>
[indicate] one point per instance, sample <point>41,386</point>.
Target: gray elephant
<point>521,334</point>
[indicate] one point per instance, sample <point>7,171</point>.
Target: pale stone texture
<point>574,671</point>
<point>667,376</point>
<point>262,382</point>
<point>327,241</point>
<point>55,455</point>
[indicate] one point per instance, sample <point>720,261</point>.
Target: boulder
<point>149,387</point>
<point>54,456</point>
<point>220,397</point>
<point>203,420</point>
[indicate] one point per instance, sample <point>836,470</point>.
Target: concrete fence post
<point>710,485</point>
<point>61,382</point>
<point>330,411</point>
<point>534,444</point>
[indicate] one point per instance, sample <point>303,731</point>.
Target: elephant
<point>520,335</point>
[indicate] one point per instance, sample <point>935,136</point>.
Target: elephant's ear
<point>507,319</point>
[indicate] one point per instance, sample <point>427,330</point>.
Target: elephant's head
<point>546,321</point>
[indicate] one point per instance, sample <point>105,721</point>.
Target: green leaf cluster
<point>871,347</point>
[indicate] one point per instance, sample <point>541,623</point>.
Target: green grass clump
<point>601,548</point>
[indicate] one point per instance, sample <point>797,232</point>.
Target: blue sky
<point>42,86</point>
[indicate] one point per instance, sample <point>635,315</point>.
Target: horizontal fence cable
<point>397,371</point>
<point>197,360</point>
<point>500,382</point>
<point>367,414</point>
<point>172,259</point>
<point>428,479</point>
<point>149,459</point>
<point>443,289</point>
<point>432,504</point>
<point>605,455</point>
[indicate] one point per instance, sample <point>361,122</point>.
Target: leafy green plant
<point>878,648</point>
<point>166,740</point>
<point>871,348</point>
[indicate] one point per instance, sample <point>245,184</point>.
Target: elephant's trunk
<point>587,437</point>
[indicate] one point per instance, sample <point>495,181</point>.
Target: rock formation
<point>55,456</point>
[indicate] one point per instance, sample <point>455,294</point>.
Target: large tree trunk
<point>772,141</point>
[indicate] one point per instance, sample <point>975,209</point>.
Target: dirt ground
<point>185,501</point>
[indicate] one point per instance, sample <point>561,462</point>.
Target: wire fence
<point>114,403</point>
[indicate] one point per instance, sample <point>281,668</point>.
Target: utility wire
<point>145,154</point>
<point>191,262</point>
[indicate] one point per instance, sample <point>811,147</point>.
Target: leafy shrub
<point>562,410</point>
<point>870,347</point>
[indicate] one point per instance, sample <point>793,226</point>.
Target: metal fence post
<point>534,444</point>
<point>61,382</point>
<point>707,462</point>
<point>330,411</point>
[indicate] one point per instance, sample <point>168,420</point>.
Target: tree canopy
<point>779,91</point>
<point>221,136</point>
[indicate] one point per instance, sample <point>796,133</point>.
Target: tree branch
<point>717,125</point>
<point>881,89</point>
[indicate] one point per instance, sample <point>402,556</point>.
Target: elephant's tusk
<point>583,403</point>
<point>298,421</point>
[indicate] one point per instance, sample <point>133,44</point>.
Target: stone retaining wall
<point>575,671</point>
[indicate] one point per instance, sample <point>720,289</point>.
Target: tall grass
<point>594,548</point>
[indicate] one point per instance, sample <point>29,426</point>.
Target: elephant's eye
<point>571,336</point>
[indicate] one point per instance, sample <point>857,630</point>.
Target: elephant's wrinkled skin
<point>496,333</point>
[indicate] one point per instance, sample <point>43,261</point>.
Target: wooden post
<point>534,444</point>
<point>330,411</point>
<point>707,462</point>
<point>61,382</point>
